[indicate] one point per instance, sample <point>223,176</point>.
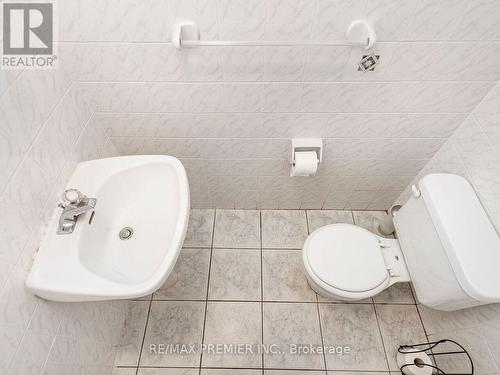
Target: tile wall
<point>473,151</point>
<point>229,112</point>
<point>45,129</point>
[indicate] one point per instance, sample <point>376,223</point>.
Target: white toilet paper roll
<point>416,363</point>
<point>306,163</point>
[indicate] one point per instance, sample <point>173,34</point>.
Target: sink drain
<point>126,233</point>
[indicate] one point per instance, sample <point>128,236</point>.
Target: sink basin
<point>149,195</point>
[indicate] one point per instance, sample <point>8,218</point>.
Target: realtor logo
<point>28,35</point>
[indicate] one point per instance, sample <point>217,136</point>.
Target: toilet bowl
<point>349,263</point>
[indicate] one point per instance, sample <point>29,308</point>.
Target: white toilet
<point>446,246</point>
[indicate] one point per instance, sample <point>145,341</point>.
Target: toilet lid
<point>346,257</point>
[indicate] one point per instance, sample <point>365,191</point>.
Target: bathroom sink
<point>128,244</point>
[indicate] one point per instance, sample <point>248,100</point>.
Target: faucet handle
<point>72,196</point>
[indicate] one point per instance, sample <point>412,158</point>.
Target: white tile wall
<point>365,125</point>
<point>473,152</point>
<point>279,19</point>
<point>232,106</point>
<point>229,113</point>
<point>45,130</point>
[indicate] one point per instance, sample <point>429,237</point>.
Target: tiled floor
<point>239,280</point>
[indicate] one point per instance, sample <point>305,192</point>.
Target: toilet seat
<point>346,261</point>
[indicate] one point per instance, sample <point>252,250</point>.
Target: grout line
<point>307,221</point>
<point>159,366</point>
<point>149,137</point>
<point>422,322</point>
<point>105,147</point>
<point>208,286</point>
<point>381,337</point>
<point>379,42</point>
<point>480,125</point>
<point>411,288</point>
<point>46,361</point>
<point>245,249</point>
<point>144,336</point>
<point>84,128</point>
<point>267,82</point>
<point>273,369</point>
<point>281,370</point>
<point>64,316</point>
<point>174,111</point>
<point>320,325</point>
<point>334,302</point>
<point>281,248</point>
<point>37,134</point>
<point>262,112</point>
<point>423,326</point>
<point>261,290</point>
<point>274,209</point>
<point>316,294</point>
<point>142,113</point>
<point>331,302</point>
<point>10,84</point>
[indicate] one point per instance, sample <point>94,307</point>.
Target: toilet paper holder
<point>433,350</point>
<point>306,144</point>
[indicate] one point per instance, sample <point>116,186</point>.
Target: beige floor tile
<point>363,373</point>
<point>288,324</point>
<point>293,372</point>
<point>167,371</point>
<point>230,372</point>
<point>200,228</point>
<point>400,325</point>
<point>353,326</point>
<point>436,321</point>
<point>143,298</point>
<point>132,334</point>
<point>283,229</point>
<point>284,278</point>
<point>476,346</point>
<point>333,300</point>
<point>491,335</point>
<point>370,220</point>
<point>398,293</point>
<point>173,322</point>
<point>235,274</point>
<point>487,314</point>
<point>123,371</point>
<point>319,218</point>
<point>237,229</point>
<point>233,323</point>
<point>190,280</point>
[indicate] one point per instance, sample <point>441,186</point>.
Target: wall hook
<point>362,30</point>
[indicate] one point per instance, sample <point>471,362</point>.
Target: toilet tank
<point>451,248</point>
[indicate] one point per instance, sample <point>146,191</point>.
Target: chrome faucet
<point>74,204</point>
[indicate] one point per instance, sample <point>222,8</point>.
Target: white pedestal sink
<point>149,194</point>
